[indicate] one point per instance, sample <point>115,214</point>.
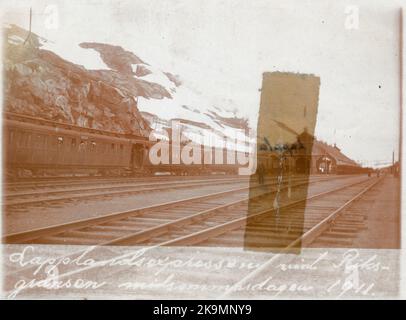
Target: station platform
<point>382,219</point>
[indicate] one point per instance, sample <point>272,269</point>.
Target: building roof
<point>320,148</point>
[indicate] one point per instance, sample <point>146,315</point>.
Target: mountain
<point>110,89</point>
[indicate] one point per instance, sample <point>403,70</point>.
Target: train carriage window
<point>21,139</point>
<point>11,137</point>
<point>18,138</point>
<point>92,146</point>
<point>25,139</point>
<point>275,163</point>
<point>53,142</point>
<point>82,145</point>
<point>29,139</point>
<point>39,141</point>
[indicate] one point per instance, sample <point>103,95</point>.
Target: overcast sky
<point>221,49</point>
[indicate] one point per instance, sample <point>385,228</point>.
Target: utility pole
<point>29,32</point>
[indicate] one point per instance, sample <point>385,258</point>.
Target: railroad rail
<point>12,199</point>
<point>229,280</point>
<point>68,182</point>
<point>314,222</point>
<point>110,228</point>
<point>134,226</point>
<point>52,194</point>
<point>312,234</point>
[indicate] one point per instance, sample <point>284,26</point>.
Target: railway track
<point>69,182</point>
<point>346,200</point>
<point>325,233</point>
<point>227,284</point>
<point>14,199</point>
<point>313,221</point>
<point>161,223</point>
<point>341,228</point>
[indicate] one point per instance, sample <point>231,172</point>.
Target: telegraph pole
<point>29,32</point>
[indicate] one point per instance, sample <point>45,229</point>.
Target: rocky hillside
<point>40,83</point>
<point>125,94</point>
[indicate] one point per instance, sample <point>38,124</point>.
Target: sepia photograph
<point>219,149</point>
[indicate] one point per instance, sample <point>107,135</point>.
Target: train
<point>36,147</point>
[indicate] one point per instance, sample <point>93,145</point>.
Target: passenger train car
<point>37,147</point>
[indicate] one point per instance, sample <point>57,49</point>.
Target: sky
<point>221,48</point>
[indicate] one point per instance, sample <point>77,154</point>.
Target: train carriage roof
<point>64,128</point>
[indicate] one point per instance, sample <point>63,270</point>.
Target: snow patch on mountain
<point>105,86</point>
<point>89,59</point>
